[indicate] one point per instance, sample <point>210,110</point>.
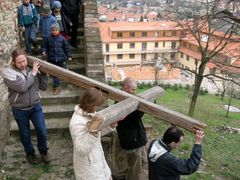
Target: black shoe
<point>45,158</point>
<point>32,159</point>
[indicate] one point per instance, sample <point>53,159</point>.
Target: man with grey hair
<point>132,135</point>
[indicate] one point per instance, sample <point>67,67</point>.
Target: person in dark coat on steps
<point>71,9</point>
<point>132,136</point>
<point>163,165</point>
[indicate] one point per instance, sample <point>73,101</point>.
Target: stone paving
<point>13,163</point>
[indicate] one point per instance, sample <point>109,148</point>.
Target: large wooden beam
<point>119,95</point>
<point>120,110</point>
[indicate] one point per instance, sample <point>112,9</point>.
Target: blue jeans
<point>56,81</point>
<point>23,118</point>
<point>30,37</point>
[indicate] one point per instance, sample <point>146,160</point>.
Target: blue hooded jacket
<point>27,15</point>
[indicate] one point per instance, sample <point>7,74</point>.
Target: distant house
<point>132,49</point>
<point>140,44</point>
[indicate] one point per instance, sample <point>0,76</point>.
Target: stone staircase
<point>58,109</point>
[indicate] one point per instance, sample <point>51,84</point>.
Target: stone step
<point>53,124</point>
<point>66,96</point>
<point>58,110</point>
<point>76,54</point>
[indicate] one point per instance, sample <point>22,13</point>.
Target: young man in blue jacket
<point>28,19</point>
<point>163,165</point>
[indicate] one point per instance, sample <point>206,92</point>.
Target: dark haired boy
<point>163,165</point>
<point>57,50</point>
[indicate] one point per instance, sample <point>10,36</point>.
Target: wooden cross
<point>127,103</point>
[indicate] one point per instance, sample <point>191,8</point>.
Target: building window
<point>156,44</point>
<point>132,34</point>
<point>156,34</point>
<point>187,58</point>
<point>182,33</point>
<point>131,56</point>
<point>119,45</point>
<point>172,55</point>
<point>164,34</point>
<point>190,47</point>
<point>173,46</point>
<point>213,71</point>
<point>144,34</point>
<point>132,45</point>
<point>174,33</point>
<point>144,46</point>
<point>163,44</point>
<point>119,34</point>
<point>143,57</point>
<point>107,47</point>
<point>119,56</point>
<point>196,62</point>
<point>181,55</point>
<point>107,58</point>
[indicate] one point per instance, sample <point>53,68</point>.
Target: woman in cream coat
<point>88,158</point>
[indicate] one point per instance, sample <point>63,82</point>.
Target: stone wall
<point>8,42</point>
<point>93,45</point>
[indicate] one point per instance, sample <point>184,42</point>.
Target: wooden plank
<point>120,110</point>
<point>119,95</point>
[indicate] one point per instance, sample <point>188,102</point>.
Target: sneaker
<point>56,90</point>
<point>45,158</point>
<point>32,159</point>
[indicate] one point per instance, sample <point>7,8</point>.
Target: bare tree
<point>212,34</point>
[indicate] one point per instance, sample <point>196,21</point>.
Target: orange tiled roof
<point>144,73</point>
<point>231,49</point>
<point>233,69</point>
<point>143,26</point>
<point>107,27</point>
<point>190,53</point>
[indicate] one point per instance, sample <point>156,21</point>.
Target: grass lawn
<point>221,149</point>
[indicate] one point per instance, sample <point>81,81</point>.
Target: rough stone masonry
<point>8,41</point>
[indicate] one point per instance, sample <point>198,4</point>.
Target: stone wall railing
<point>8,41</point>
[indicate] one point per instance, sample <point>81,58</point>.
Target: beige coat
<point>88,158</point>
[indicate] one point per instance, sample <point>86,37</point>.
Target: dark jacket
<point>131,131</point>
<point>163,165</point>
<point>71,6</point>
<point>23,87</point>
<point>57,49</point>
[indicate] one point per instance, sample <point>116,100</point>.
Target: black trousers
<point>74,19</point>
